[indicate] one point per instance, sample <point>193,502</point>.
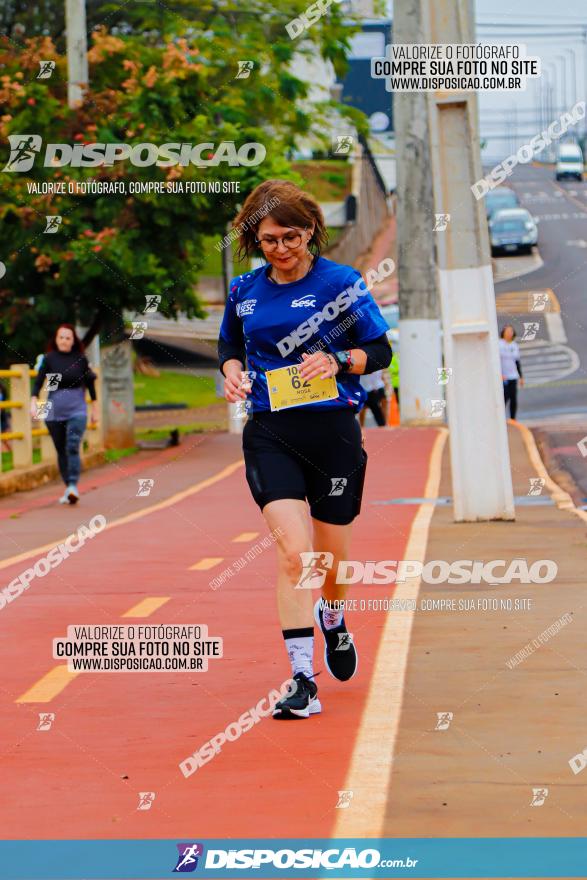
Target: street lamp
<point>573,64</point>
<point>564,78</point>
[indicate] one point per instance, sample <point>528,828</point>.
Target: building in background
<point>358,88</point>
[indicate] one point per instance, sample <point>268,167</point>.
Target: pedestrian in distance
<point>306,328</point>
<point>68,374</point>
<point>374,385</point>
<point>511,368</point>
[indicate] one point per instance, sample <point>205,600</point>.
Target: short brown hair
<point>288,205</point>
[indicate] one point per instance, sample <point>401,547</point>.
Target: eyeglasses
<point>292,240</point>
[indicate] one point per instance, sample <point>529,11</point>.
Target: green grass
<point>112,455</point>
<point>172,387</point>
<point>163,432</point>
<point>328,180</point>
<point>7,464</point>
<point>334,233</point>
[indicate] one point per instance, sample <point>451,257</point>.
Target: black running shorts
<point>313,455</point>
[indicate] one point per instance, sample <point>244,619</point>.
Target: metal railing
<point>25,437</point>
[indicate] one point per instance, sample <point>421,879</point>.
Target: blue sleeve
<point>231,344</point>
<point>369,323</point>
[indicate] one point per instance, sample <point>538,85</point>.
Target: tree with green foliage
<point>166,74</point>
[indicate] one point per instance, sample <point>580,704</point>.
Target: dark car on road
<point>512,230</point>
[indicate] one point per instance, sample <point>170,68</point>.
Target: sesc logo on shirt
<point>308,300</point>
<point>246,307</point>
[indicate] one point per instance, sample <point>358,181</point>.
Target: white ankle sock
<point>299,644</point>
<point>331,618</point>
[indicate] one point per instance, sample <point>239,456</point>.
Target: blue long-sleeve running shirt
<point>329,309</point>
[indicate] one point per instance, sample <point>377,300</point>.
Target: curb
<point>560,496</point>
<point>40,474</point>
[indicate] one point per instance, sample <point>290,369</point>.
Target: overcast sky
<point>503,112</point>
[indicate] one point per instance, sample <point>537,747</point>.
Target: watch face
<point>344,360</point>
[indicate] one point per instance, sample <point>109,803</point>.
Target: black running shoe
<point>340,654</point>
<point>301,702</point>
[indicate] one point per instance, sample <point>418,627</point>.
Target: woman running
<point>68,374</point>
<point>511,368</point>
<point>295,324</point>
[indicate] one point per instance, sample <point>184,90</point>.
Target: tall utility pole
<point>563,81</point>
<point>77,51</point>
<point>115,358</point>
<point>480,461</point>
<point>419,324</point>
<point>573,64</point>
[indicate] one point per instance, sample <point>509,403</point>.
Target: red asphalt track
<point>117,734</point>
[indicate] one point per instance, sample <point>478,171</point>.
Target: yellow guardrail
<point>7,374</point>
<point>24,433</point>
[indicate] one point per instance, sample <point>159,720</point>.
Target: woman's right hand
<point>34,408</point>
<point>236,386</point>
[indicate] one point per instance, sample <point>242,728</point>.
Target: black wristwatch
<point>344,359</point>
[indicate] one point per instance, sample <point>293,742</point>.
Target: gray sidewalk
<point>514,727</point>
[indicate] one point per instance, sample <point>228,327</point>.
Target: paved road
<point>554,360</point>
<point>117,734</point>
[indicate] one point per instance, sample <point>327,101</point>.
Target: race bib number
<point>287,388</point>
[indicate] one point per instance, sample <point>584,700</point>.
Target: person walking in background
<point>374,385</point>
<point>511,368</point>
<point>68,374</point>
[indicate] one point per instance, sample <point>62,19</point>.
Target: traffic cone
<point>393,418</point>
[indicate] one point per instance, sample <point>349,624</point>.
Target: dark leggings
<point>374,401</point>
<point>510,392</point>
<point>67,437</point>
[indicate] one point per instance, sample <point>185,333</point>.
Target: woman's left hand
<point>318,364</point>
<point>521,382</point>
<point>94,412</point>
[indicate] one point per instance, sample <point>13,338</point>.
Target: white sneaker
<point>72,494</point>
<point>64,499</point>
